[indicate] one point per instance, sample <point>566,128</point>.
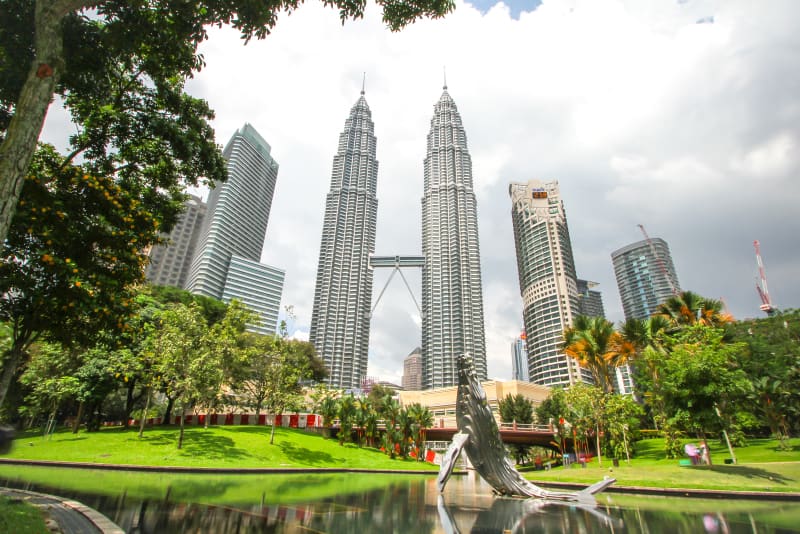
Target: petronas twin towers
<point>452,301</point>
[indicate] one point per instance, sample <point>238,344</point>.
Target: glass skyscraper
<point>547,281</point>
<point>340,317</point>
<point>233,232</point>
<point>452,299</point>
<point>645,277</point>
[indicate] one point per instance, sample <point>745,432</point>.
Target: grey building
<point>232,238</point>
<point>412,371</point>
<point>591,300</point>
<point>452,299</point>
<point>519,360</point>
<point>340,318</point>
<point>547,280</point>
<point>645,277</point>
<point>169,263</point>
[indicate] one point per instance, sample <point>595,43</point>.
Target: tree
<point>347,416</point>
<point>250,378</point>
<point>187,366</point>
<point>71,259</point>
<point>622,421</point>
<point>422,419</point>
<point>156,41</point>
<point>596,345</point>
<point>516,409</point>
<point>586,413</point>
<point>689,308</point>
<point>50,377</point>
<point>288,366</point>
<point>553,411</point>
<point>379,393</point>
<point>772,361</point>
<point>701,375</point>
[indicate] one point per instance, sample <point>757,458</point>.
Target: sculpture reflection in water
<point>479,438</point>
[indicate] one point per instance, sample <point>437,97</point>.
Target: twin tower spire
<point>452,302</point>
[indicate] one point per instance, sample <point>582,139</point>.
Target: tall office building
<point>343,293</point>
<point>645,276</point>
<point>226,264</point>
<point>452,301</point>
<point>547,280</point>
<point>169,263</point>
<point>412,371</point>
<point>519,359</point>
<point>591,301</point>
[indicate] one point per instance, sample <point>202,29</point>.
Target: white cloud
<point>642,115</point>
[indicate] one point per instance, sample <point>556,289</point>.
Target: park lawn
<point>20,517</point>
<point>216,446</point>
<point>760,467</point>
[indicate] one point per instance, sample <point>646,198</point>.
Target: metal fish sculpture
<point>479,437</point>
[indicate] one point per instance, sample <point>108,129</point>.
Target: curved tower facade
<point>547,281</point>
<point>645,277</point>
<point>226,263</point>
<point>452,299</point>
<point>343,293</point>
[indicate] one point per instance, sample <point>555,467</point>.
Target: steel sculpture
<point>479,437</point>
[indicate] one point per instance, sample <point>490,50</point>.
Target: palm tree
<point>347,412</point>
<point>688,308</point>
<point>422,419</point>
<point>597,346</point>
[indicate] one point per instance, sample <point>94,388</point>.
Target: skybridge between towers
<point>396,263</point>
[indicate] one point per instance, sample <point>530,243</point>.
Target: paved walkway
<point>71,517</point>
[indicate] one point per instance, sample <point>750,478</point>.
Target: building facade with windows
<point>340,319</point>
<point>412,370</point>
<point>233,233</point>
<point>590,301</point>
<point>170,262</point>
<point>452,298</point>
<point>519,360</point>
<point>645,275</point>
<point>547,280</point>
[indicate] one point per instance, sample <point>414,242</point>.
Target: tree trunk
<point>13,359</point>
<point>130,399</point>
<point>77,423</point>
<point>144,413</point>
<point>30,109</point>
<point>272,434</point>
<point>180,437</point>
<point>168,411</point>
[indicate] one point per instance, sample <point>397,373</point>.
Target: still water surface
<point>364,503</point>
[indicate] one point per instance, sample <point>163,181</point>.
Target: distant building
<point>226,264</point>
<point>412,370</point>
<point>519,360</point>
<point>442,401</point>
<point>645,277</point>
<point>590,301</point>
<point>169,263</point>
<point>547,281</point>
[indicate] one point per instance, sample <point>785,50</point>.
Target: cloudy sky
<point>683,116</point>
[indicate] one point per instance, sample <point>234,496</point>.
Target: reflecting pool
<point>363,503</point>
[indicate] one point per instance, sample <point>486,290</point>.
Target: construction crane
<point>763,292</point>
<point>659,261</point>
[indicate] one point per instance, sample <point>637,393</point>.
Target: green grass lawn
<point>216,446</point>
<point>760,467</point>
<point>20,517</point>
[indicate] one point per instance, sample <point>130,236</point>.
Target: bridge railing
<point>450,422</point>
